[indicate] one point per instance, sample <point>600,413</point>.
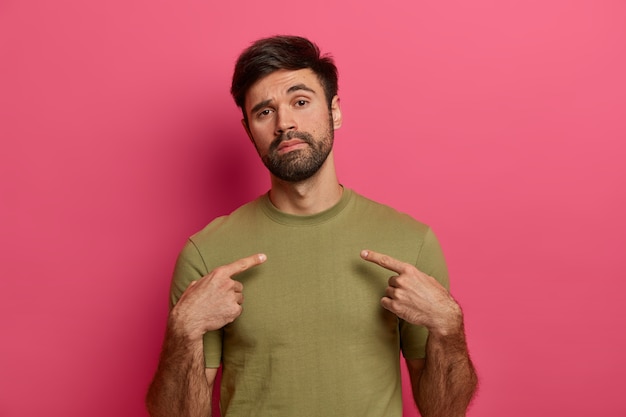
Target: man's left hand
<point>417,297</point>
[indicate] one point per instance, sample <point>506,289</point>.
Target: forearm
<point>180,386</point>
<point>448,380</point>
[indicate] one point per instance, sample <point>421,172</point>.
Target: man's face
<point>290,123</point>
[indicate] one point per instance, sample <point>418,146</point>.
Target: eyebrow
<point>292,89</point>
<point>298,87</point>
<point>259,106</point>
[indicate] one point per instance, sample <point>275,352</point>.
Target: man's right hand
<point>212,301</point>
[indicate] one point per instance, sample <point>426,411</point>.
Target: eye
<point>301,103</point>
<point>264,113</point>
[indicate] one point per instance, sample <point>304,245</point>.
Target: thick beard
<point>300,164</point>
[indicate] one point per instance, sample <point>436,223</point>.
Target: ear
<point>244,123</point>
<point>335,110</point>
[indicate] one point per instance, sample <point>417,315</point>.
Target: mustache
<point>303,136</point>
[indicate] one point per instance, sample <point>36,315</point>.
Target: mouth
<point>290,145</point>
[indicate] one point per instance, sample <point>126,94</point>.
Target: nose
<point>285,121</point>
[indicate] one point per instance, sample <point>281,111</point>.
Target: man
<point>325,315</point>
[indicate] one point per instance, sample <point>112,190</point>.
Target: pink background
<point>500,123</point>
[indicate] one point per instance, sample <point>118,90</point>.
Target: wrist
<point>178,327</point>
<point>450,322</point>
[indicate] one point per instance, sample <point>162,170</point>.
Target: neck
<point>311,196</point>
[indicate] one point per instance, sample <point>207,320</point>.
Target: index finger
<point>244,264</point>
<point>385,261</point>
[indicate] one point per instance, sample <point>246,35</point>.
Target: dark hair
<point>281,52</point>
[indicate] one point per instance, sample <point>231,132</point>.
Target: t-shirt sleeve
<point>190,267</point>
<point>430,261</point>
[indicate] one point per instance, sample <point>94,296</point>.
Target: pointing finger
<point>244,264</point>
<point>385,261</point>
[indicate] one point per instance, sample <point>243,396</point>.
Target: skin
<point>182,385</point>
<point>444,383</point>
<point>287,101</point>
<point>280,103</point>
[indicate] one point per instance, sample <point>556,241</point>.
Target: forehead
<point>280,83</point>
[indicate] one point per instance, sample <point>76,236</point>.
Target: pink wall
<point>500,123</point>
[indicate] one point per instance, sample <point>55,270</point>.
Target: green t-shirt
<point>313,339</point>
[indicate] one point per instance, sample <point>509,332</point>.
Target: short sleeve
<point>430,261</point>
<point>190,266</point>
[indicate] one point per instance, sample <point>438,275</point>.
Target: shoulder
<point>383,214</point>
<point>238,219</point>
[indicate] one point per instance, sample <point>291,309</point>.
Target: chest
<point>322,296</point>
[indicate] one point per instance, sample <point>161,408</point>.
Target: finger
<point>244,264</point>
<point>390,293</point>
<point>386,303</point>
<point>385,261</point>
<point>393,281</point>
